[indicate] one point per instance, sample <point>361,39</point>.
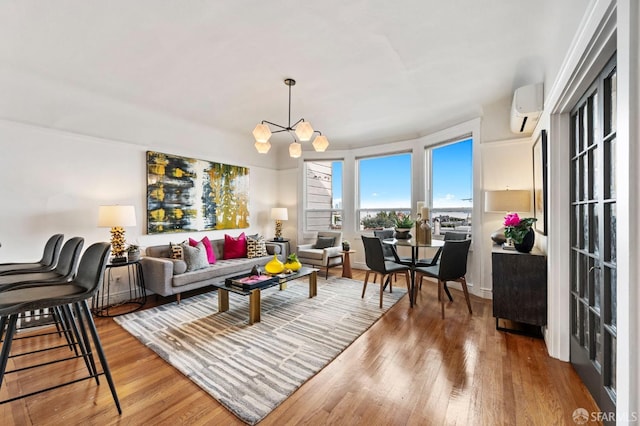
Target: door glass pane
<point>575,276</point>
<point>595,175</point>
<point>583,274</point>
<point>577,229</point>
<point>586,177</point>
<point>597,332</point>
<point>597,285</point>
<point>584,317</point>
<point>610,158</point>
<point>575,323</point>
<point>585,227</point>
<point>612,291</point>
<point>611,97</point>
<point>613,370</point>
<point>594,225</point>
<point>595,125</point>
<point>586,277</point>
<point>612,223</point>
<point>580,129</point>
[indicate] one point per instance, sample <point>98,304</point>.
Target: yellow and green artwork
<point>185,194</point>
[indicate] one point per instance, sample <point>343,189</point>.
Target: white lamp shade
<point>262,133</point>
<point>507,201</point>
<point>304,131</point>
<point>262,147</point>
<point>320,143</point>
<point>295,150</point>
<point>110,216</point>
<point>279,213</point>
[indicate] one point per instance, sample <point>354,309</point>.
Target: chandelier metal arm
<point>304,133</point>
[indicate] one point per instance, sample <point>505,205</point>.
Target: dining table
<point>415,246</point>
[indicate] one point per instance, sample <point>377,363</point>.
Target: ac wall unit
<point>526,108</point>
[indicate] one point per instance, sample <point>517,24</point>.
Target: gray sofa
<point>165,276</point>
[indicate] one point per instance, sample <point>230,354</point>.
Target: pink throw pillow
<point>211,256</point>
<point>235,248</point>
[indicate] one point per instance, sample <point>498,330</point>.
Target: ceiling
<point>367,71</point>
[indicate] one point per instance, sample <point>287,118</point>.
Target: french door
<point>593,238</point>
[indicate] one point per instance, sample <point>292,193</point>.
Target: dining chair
<point>448,236</point>
<point>376,262</point>
<point>68,295</point>
<point>452,267</point>
<point>46,263</point>
<point>388,249</point>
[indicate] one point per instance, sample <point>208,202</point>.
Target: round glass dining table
<point>413,264</point>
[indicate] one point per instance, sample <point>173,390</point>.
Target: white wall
<point>53,182</point>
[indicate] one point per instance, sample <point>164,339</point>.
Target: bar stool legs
<point>75,331</point>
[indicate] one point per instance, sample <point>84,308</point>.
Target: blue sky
<point>386,181</point>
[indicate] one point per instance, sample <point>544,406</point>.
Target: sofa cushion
<point>175,251</point>
<point>256,247</point>
<point>195,257</point>
<point>235,247</point>
<point>179,266</point>
<point>324,242</point>
<point>311,253</point>
<point>211,257</point>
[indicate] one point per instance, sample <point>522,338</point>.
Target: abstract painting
<point>185,194</point>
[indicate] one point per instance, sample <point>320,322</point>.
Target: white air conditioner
<point>526,108</point>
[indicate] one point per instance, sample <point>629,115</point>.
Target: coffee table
<point>254,293</point>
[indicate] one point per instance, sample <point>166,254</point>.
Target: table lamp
<point>506,201</point>
<point>116,218</point>
<point>279,214</point>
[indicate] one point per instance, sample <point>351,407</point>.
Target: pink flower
<point>512,219</point>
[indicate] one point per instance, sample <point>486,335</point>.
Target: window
<point>384,190</point>
<point>323,195</point>
<point>451,186</point>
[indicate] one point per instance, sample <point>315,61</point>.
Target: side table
<point>285,247</point>
<point>102,305</point>
<point>346,264</point>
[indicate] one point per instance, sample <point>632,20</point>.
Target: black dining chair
<point>69,295</point>
<point>452,267</point>
<point>376,262</point>
<point>46,263</point>
<point>448,236</point>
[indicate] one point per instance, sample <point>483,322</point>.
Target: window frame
<point>358,211</point>
<point>331,211</point>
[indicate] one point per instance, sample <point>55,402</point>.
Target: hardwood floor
<point>410,367</point>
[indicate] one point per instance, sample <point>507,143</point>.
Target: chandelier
<point>302,129</point>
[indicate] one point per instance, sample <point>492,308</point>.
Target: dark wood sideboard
<point>519,287</point>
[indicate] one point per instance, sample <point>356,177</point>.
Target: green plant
<point>404,221</point>
<point>292,257</point>
<point>516,228</point>
<point>133,248</point>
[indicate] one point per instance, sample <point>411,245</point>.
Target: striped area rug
<point>251,369</point>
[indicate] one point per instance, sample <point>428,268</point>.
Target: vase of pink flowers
<point>520,231</point>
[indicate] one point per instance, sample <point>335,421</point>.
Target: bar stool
<point>47,263</point>
<point>71,296</point>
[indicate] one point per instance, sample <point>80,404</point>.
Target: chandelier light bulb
<point>262,133</point>
<point>262,147</point>
<point>295,150</point>
<point>304,131</point>
<point>320,143</point>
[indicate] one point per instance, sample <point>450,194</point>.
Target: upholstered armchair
<point>325,252</point>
